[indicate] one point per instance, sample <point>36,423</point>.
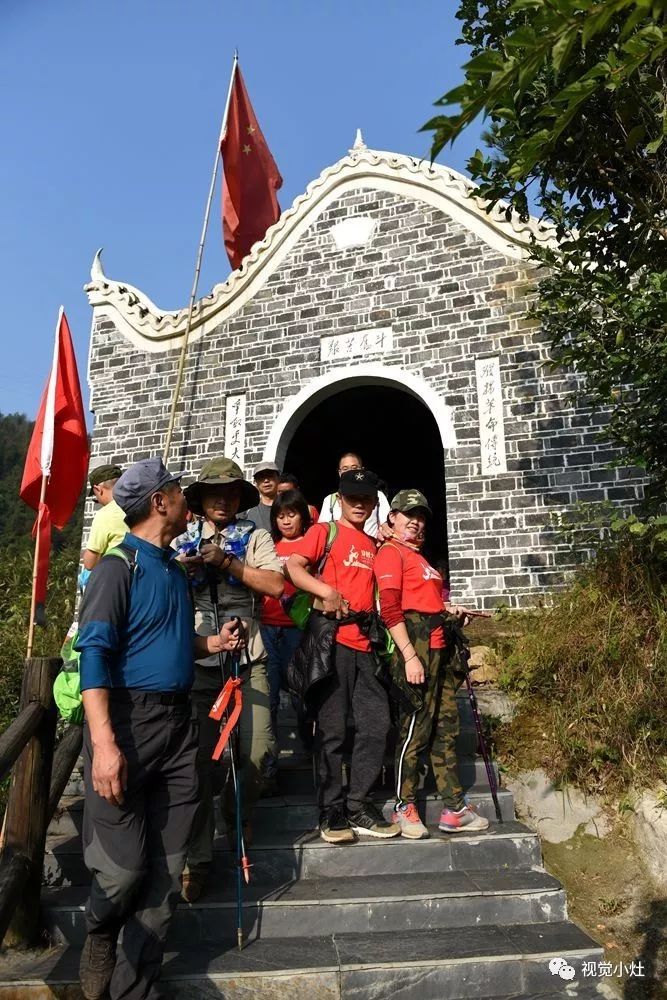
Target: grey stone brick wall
<point>450,299</point>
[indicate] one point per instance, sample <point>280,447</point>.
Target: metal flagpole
<point>195,283</point>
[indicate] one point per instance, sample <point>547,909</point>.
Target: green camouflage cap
<point>220,472</point>
<point>408,500</point>
<point>102,474</point>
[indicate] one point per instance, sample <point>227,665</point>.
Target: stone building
<point>384,313</point>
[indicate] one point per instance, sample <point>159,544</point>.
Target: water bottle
<point>235,539</point>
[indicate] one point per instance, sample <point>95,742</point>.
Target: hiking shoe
<point>193,885</point>
<point>369,822</point>
<point>464,820</point>
<point>98,958</point>
<point>334,827</point>
<point>407,818</point>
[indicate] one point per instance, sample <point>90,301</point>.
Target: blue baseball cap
<point>140,481</point>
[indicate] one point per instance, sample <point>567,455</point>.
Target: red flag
<point>250,178</point>
<point>58,450</point>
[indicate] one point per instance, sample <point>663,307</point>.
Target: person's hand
<point>414,670</point>
<point>460,613</point>
<point>109,772</point>
<point>213,555</point>
<point>230,639</point>
<point>385,531</point>
<point>190,563</point>
<point>335,603</point>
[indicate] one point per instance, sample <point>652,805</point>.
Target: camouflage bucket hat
<point>220,472</point>
<point>408,500</point>
<point>103,474</point>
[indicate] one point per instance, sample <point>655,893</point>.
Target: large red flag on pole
<point>250,178</point>
<point>57,460</point>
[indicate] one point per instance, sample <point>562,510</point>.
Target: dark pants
<point>136,851</point>
<point>356,695</point>
<point>280,642</point>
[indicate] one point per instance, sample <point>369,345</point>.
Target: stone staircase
<point>452,917</point>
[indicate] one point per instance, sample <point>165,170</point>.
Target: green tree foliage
<point>16,561</point>
<point>575,93</point>
<point>16,518</point>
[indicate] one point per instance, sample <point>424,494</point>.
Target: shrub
<point>591,670</point>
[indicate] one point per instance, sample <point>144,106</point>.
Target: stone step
<point>345,904</point>
<point>300,778</point>
<point>299,812</point>
<point>475,963</point>
<point>285,854</point>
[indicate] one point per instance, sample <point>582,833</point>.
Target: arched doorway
<point>395,433</point>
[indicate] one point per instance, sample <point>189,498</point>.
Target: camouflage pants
<point>433,727</point>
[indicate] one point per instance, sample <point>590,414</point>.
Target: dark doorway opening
<point>395,434</point>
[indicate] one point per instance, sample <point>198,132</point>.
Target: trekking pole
<point>490,774</point>
<point>243,863</point>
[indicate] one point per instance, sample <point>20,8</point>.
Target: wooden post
<point>27,817</point>
<point>65,757</point>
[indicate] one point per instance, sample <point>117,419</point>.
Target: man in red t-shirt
<point>346,585</point>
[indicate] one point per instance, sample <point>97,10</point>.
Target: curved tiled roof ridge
<point>143,322</point>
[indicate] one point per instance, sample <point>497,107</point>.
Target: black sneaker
<point>334,827</point>
<point>98,959</point>
<point>369,822</point>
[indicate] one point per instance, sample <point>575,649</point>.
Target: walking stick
<point>242,861</point>
<point>242,868</point>
<point>490,774</point>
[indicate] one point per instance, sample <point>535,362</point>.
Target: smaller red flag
<point>250,177</point>
<point>57,456</point>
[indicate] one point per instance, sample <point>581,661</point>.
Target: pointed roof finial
<point>359,143</point>
<point>96,271</point>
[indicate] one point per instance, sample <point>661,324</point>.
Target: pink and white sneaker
<point>464,820</point>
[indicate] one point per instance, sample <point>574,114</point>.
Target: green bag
<point>300,605</point>
<point>67,685</point>
<point>67,695</point>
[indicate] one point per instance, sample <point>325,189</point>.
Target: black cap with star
<point>359,482</point>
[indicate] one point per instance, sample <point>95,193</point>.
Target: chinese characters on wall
<point>235,429</point>
<point>359,342</point>
<point>491,424</point>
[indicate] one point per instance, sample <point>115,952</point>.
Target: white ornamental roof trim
<point>147,326</point>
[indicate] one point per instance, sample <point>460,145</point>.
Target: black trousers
<point>136,851</point>
<point>353,695</point>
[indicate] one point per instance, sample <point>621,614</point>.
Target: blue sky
<point>110,112</point>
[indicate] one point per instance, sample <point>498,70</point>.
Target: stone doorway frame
<point>297,407</point>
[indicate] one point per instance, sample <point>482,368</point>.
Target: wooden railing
<point>41,769</point>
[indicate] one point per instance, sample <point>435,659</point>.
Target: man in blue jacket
<point>137,640</point>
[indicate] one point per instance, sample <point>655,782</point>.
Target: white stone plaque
<point>359,343</point>
<point>491,422</point>
<point>235,429</point>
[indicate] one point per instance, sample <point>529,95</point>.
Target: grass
<point>590,674</point>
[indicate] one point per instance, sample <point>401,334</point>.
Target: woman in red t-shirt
<point>290,519</point>
<point>412,605</point>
